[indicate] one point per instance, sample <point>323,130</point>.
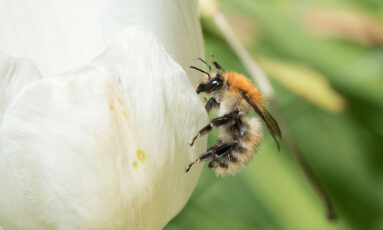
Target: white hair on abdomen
<point>254,123</point>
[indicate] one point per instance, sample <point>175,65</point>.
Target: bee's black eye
<point>210,86</point>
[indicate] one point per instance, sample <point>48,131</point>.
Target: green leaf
<point>305,82</point>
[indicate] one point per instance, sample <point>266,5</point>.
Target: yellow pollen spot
<point>120,100</point>
<point>135,165</point>
<point>111,107</point>
<point>125,115</point>
<point>141,155</point>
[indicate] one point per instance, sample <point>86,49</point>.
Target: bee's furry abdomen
<point>245,149</point>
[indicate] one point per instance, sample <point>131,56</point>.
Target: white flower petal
<point>174,22</point>
<point>55,35</point>
<point>60,35</point>
<point>105,146</point>
<point>15,73</point>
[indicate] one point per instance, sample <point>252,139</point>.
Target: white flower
<point>103,146</point>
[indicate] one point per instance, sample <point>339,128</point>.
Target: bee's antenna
<point>209,66</point>
<point>208,74</point>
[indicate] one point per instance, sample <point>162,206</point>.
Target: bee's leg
<point>211,103</point>
<point>221,160</point>
<point>215,152</point>
<point>218,66</point>
<point>214,123</point>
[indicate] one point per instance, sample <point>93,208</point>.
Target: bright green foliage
<point>345,149</point>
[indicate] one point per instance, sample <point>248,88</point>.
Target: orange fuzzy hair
<point>244,85</point>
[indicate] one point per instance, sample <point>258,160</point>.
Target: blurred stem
<point>210,8</point>
<point>302,162</point>
<point>255,71</point>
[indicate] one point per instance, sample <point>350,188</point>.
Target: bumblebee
<point>233,96</point>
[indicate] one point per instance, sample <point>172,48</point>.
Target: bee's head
<point>213,83</point>
<point>214,80</point>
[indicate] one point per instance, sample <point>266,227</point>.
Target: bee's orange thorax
<point>238,82</point>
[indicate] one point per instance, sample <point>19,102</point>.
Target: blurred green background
<point>338,127</point>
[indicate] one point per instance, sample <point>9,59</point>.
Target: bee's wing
<point>271,123</point>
